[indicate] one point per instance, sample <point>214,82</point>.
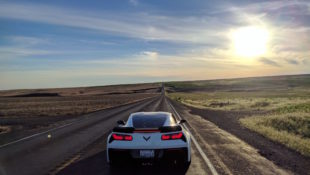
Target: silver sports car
<point>149,136</point>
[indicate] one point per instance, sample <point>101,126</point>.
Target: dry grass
<point>285,101</point>
<point>292,130</point>
<point>70,101</point>
<point>86,91</point>
<point>287,119</point>
<point>62,106</point>
<point>232,102</point>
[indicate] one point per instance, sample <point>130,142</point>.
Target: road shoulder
<point>229,154</point>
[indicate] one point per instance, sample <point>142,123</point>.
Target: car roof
<point>168,122</point>
<point>167,114</point>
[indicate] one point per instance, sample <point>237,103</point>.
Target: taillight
<point>173,136</point>
<point>165,137</point>
<point>120,137</point>
<point>128,138</point>
<point>117,137</point>
<point>177,136</point>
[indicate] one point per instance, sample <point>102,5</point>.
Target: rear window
<point>148,121</point>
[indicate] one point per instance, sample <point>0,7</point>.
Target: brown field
<point>33,109</point>
<point>84,91</point>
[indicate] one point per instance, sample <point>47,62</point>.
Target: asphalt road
<point>79,147</point>
<point>66,149</point>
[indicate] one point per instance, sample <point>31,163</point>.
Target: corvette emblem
<point>147,138</point>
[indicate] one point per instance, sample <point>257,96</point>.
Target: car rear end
<point>149,143</point>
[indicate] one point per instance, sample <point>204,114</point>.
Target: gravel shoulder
<point>236,150</point>
<point>242,150</point>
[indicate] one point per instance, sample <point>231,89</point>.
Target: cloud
<point>196,46</point>
<point>13,52</point>
<point>305,61</point>
<point>151,54</point>
<point>136,25</point>
<point>23,46</point>
<point>269,62</point>
<point>270,6</point>
<point>134,2</point>
<point>26,40</point>
<point>292,61</point>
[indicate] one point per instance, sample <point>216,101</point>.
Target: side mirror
<point>121,122</point>
<point>182,121</point>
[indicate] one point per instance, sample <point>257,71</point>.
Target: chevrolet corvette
<point>149,136</point>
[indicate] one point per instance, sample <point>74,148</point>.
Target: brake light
<point>172,136</point>
<point>128,138</point>
<point>165,137</point>
<point>122,137</point>
<point>117,137</point>
<point>177,136</point>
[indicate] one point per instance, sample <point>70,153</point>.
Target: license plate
<point>146,153</point>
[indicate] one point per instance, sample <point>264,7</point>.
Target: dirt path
<point>280,155</point>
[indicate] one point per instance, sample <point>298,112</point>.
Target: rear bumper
<point>129,155</point>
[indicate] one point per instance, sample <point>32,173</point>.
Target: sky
<point>45,44</point>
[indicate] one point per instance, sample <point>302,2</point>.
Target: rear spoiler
<point>161,129</point>
<point>123,129</point>
<point>170,128</point>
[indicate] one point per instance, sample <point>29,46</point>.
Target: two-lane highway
<point>39,153</point>
<point>43,152</point>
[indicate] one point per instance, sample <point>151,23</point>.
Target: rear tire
<point>183,163</point>
<point>187,164</point>
<point>113,161</point>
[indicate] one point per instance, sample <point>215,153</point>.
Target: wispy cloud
<point>139,25</point>
<point>268,6</point>
<point>147,45</point>
<point>14,52</point>
<point>305,61</point>
<point>134,2</point>
<point>269,62</point>
<point>23,46</point>
<point>150,54</point>
<point>292,61</point>
<point>97,42</point>
<point>27,40</point>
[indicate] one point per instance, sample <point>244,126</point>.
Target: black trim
<point>123,129</point>
<point>162,129</point>
<point>125,155</point>
<point>170,128</point>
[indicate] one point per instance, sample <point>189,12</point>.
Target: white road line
<point>203,155</point>
<point>62,126</point>
<point>34,135</point>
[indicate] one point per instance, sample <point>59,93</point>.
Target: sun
<point>250,41</point>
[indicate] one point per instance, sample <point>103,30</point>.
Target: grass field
<point>291,129</point>
<point>237,101</point>
<point>284,103</point>
<point>70,101</point>
<point>37,108</point>
<point>244,84</point>
<point>62,106</point>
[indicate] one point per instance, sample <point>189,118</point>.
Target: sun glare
<point>250,41</point>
